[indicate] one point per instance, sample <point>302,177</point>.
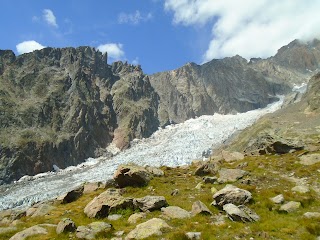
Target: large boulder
<point>66,225</point>
<point>290,207</point>
<point>154,226</point>
<point>72,195</point>
<point>130,175</point>
<point>106,203</point>
<point>231,175</point>
<point>90,231</point>
<point>208,168</point>
<point>38,210</point>
<point>231,194</point>
<point>29,232</point>
<point>175,212</point>
<point>150,203</point>
<point>240,213</point>
<point>199,207</point>
<point>134,218</point>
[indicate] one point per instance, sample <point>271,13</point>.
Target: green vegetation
<point>270,175</point>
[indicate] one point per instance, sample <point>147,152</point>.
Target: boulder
<point>154,226</point>
<point>71,196</point>
<point>290,207</point>
<point>207,168</point>
<point>150,203</point>
<point>231,156</point>
<point>311,215</point>
<point>134,218</point>
<point>199,207</point>
<point>310,159</point>
<point>231,175</point>
<point>157,172</point>
<point>90,231</point>
<point>231,194</point>
<point>279,199</point>
<point>66,225</point>
<point>301,189</point>
<point>129,175</point>
<point>29,232</point>
<point>92,187</point>
<point>114,217</point>
<point>193,235</point>
<point>207,179</point>
<point>175,212</point>
<point>39,210</point>
<point>106,203</point>
<point>240,213</point>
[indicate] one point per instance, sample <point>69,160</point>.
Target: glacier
<point>174,145</point>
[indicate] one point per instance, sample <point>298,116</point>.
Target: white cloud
<point>28,46</point>
<point>114,50</point>
<point>49,17</point>
<point>135,61</point>
<point>134,18</point>
<point>249,28</point>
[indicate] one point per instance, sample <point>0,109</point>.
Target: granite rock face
<point>60,106</point>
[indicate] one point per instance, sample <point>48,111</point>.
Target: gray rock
<point>66,225</point>
<point>157,172</point>
<point>301,189</point>
<point>129,175</point>
<point>193,235</point>
<point>231,156</point>
<point>252,214</point>
<point>71,196</point>
<point>150,203</point>
<point>90,231</point>
<point>241,213</point>
<point>39,210</point>
<point>212,180</point>
<point>92,187</point>
<point>207,168</point>
<point>310,159</point>
<point>278,199</point>
<point>152,227</point>
<point>231,175</point>
<point>231,194</point>
<point>290,207</point>
<point>114,217</point>
<point>134,218</point>
<point>175,212</point>
<point>311,215</point>
<point>106,203</point>
<point>199,207</point>
<point>29,232</point>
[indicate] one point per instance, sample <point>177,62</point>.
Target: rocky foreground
<point>229,196</point>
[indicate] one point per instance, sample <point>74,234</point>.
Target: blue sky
<point>159,35</point>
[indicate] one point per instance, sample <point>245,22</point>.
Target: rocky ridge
<point>61,106</point>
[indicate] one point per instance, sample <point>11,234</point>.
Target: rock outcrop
<point>61,106</point>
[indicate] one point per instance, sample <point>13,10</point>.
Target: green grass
<point>266,175</point>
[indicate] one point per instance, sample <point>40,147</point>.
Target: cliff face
<point>59,106</point>
<point>224,86</point>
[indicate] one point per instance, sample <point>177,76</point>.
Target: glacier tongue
<point>173,146</point>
